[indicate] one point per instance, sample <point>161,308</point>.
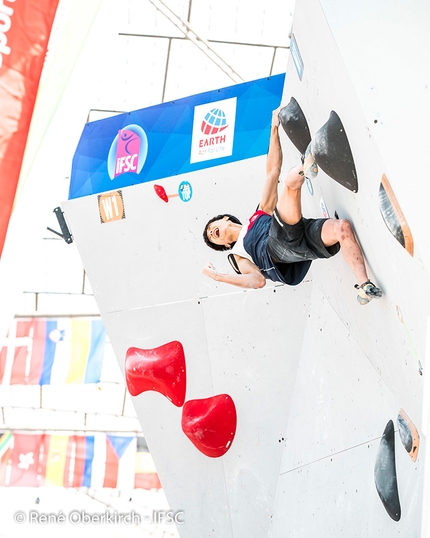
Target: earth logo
<point>128,151</point>
<point>214,122</point>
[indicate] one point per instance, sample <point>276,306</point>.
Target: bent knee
<point>343,230</point>
<point>295,178</point>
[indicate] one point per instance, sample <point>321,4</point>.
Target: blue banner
<point>190,134</point>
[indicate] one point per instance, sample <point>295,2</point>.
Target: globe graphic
<point>214,121</point>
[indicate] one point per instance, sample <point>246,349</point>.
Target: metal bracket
<point>66,235</point>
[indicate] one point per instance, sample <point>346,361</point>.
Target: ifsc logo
<point>128,151</point>
<point>213,130</point>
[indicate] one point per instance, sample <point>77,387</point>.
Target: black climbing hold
<point>332,152</point>
<point>385,473</point>
<point>295,125</point>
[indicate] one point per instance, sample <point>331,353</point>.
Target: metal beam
<point>198,41</point>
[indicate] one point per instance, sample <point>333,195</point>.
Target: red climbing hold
<point>161,192</point>
<point>161,369</point>
<point>210,424</point>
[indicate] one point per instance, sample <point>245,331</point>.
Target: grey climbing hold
<point>333,154</point>
<point>295,125</point>
<point>385,473</point>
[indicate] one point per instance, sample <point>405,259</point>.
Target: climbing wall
<point>285,410</point>
<point>360,366</point>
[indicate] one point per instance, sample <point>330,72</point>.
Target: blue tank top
<point>255,244</point>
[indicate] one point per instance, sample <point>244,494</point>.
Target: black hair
<point>205,232</point>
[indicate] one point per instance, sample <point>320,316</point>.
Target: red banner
<point>25,27</point>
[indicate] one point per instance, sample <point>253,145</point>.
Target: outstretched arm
<point>269,197</point>
<point>250,277</point>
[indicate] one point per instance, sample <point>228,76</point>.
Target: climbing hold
<point>295,125</point>
<point>408,435</point>
<point>161,369</point>
<point>332,152</point>
<point>161,193</point>
<point>309,186</point>
<point>310,168</point>
<point>393,216</point>
<point>210,424</point>
<point>385,473</point>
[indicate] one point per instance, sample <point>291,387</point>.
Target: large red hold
<point>161,369</point>
<point>210,424</point>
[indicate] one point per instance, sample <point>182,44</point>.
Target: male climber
<point>278,243</point>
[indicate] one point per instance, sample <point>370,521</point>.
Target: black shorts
<point>289,243</point>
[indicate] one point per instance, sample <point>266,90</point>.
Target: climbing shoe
<point>367,292</point>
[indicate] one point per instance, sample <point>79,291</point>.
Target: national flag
<point>88,466</point>
<point>87,351</point>
<point>146,476</point>
<point>100,460</point>
<point>95,461</point>
<point>75,461</point>
<point>53,336</point>
<point>28,353</point>
<point>25,460</point>
<point>3,357</point>
<point>21,360</point>
<point>98,466</point>
<point>55,461</point>
<point>5,451</point>
<point>120,456</point>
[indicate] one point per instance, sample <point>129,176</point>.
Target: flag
<point>25,30</point>
<point>59,351</point>
<point>5,451</point>
<point>26,455</point>
<point>87,351</point>
<point>88,465</point>
<point>120,455</point>
<point>145,476</point>
<point>3,357</point>
<point>55,461</point>
<point>28,355</point>
<point>28,361</point>
<point>75,461</point>
<point>53,336</point>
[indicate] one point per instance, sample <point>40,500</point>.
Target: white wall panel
<point>155,255</point>
<point>336,496</point>
<point>339,400</point>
